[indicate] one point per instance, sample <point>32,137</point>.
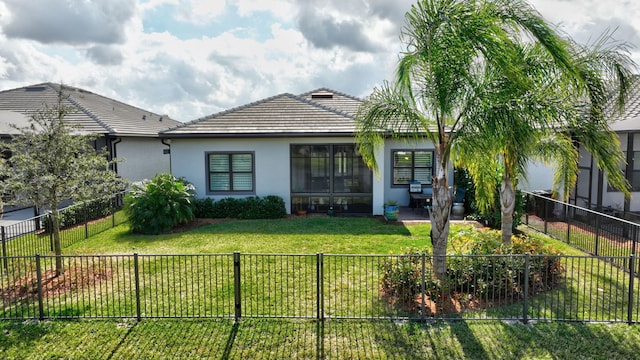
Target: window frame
<point>230,172</point>
<point>413,167</point>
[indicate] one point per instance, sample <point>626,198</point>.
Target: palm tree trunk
<point>440,223</point>
<point>507,207</point>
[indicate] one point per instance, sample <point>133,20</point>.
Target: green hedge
<point>253,207</point>
<point>81,213</point>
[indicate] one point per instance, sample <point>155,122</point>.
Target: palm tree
<point>545,121</point>
<point>449,44</point>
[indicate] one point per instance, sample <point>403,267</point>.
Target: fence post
<point>423,286</point>
<point>632,275</point>
<point>5,261</point>
<point>50,220</point>
<point>527,207</point>
<point>113,211</point>
<point>136,272</point>
<point>86,220</point>
<point>39,285</point>
<point>320,286</point>
<point>568,220</point>
<point>545,212</point>
<point>525,303</point>
<point>236,286</point>
<point>598,224</point>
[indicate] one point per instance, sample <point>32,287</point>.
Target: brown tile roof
<point>322,112</point>
<point>629,120</point>
<point>93,112</point>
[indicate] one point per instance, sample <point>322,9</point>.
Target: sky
<point>192,58</point>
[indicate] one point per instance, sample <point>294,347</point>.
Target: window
<point>410,165</point>
<point>230,172</point>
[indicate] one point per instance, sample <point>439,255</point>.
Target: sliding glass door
<point>330,177</point>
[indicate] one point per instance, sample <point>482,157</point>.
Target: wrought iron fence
<point>78,222</point>
<point>320,286</point>
<point>596,233</point>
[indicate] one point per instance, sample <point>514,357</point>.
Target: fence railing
<point>78,222</point>
<point>319,286</point>
<point>593,232</point>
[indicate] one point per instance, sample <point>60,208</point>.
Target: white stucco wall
<point>143,158</point>
<point>272,162</point>
<point>539,176</point>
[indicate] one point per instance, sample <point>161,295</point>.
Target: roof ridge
<point>323,107</point>
<point>332,91</point>
<point>227,111</point>
<point>89,113</point>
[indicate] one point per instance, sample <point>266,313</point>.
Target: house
<point>128,132</point>
<point>299,147</point>
<point>592,189</point>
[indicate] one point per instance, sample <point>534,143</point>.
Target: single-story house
<point>299,147</point>
<point>128,132</point>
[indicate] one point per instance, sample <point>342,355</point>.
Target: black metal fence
<point>78,222</point>
<point>319,286</point>
<point>596,233</point>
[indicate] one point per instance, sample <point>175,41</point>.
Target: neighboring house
<point>592,189</point>
<point>299,147</point>
<point>128,132</point>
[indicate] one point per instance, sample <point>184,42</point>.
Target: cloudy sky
<point>192,58</point>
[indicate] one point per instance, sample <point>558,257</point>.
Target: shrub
<point>83,212</point>
<point>253,207</point>
<point>485,268</point>
<point>157,205</point>
<point>401,276</point>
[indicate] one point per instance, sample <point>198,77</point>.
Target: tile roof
<point>93,112</point>
<point>629,120</point>
<point>321,112</point>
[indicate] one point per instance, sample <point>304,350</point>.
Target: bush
<point>157,205</point>
<point>475,275</point>
<point>253,207</point>
<point>82,213</point>
<point>401,276</point>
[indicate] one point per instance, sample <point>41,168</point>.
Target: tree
<point>53,161</point>
<point>566,105</point>
<point>449,44</point>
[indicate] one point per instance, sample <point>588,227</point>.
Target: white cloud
<point>188,79</point>
<point>200,11</point>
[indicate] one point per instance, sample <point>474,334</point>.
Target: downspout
<point>167,143</point>
<point>114,153</point>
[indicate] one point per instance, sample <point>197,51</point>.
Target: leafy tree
<point>53,161</point>
<point>157,205</point>
<point>449,46</point>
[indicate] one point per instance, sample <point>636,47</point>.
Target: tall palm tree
<point>449,43</point>
<point>546,121</point>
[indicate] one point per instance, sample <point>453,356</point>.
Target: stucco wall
<point>272,162</point>
<point>144,158</point>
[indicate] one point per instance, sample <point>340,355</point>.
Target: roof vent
<point>144,117</point>
<point>35,88</point>
<point>322,95</point>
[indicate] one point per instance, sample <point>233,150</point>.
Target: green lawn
<point>278,338</point>
<point>296,339</point>
<point>358,235</point>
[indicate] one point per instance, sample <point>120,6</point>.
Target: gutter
<point>114,152</point>
<point>167,143</point>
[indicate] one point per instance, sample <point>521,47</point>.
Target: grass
<point>284,236</point>
<point>276,338</point>
<point>287,339</point>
